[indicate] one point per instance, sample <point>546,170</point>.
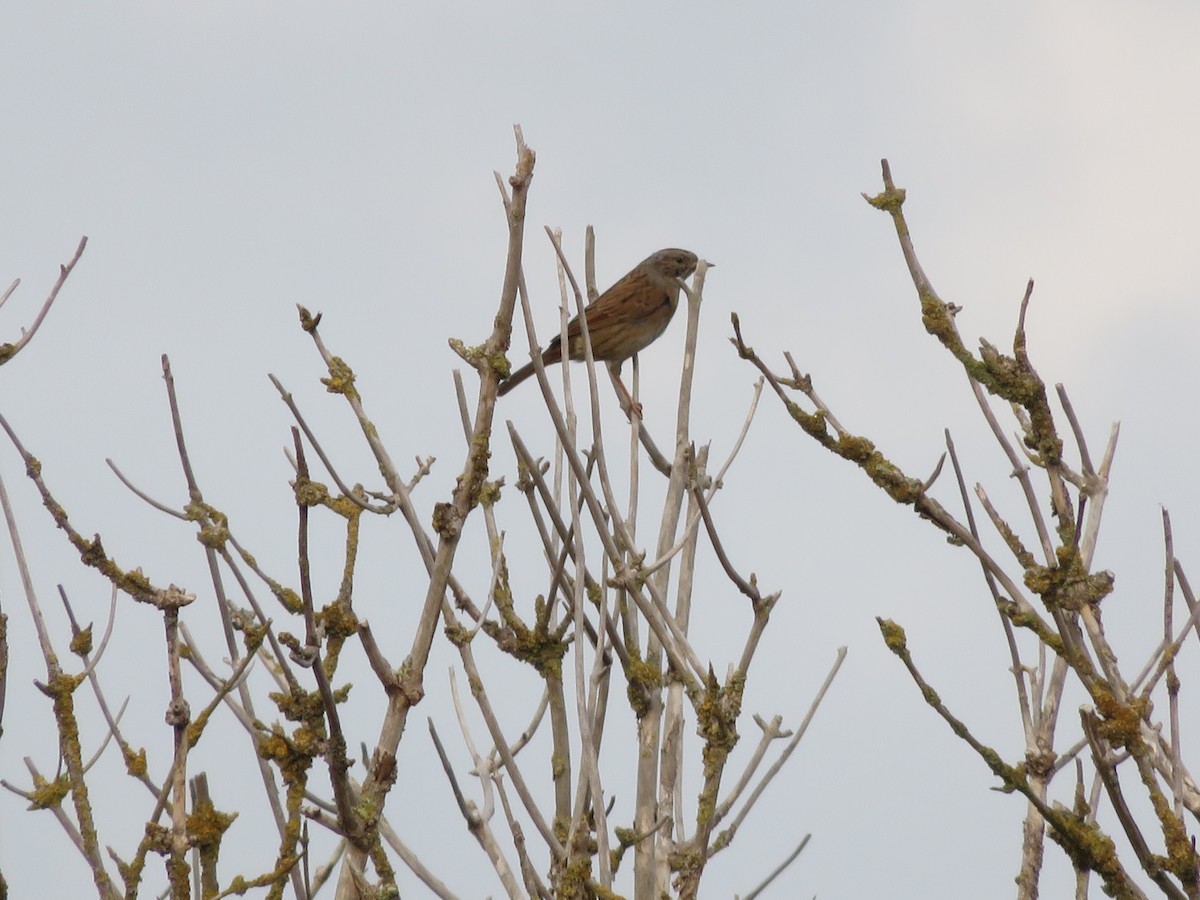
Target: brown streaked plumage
<point>626,318</point>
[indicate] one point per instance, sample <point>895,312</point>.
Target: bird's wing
<point>629,300</point>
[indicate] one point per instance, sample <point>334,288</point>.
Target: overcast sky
<point>228,161</point>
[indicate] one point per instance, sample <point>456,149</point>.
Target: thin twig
<point>791,857</point>
<point>8,351</point>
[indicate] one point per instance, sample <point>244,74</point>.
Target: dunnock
<point>626,318</point>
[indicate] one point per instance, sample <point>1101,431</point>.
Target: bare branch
<point>8,351</point>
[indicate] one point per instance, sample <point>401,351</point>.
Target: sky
<point>229,161</point>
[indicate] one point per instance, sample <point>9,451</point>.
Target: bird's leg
<point>629,406</point>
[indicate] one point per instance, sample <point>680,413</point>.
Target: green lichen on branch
<point>499,362</point>
<point>1091,850</point>
<point>81,642</point>
<point>717,715</point>
<point>716,722</point>
<point>132,582</point>
<point>890,201</point>
<point>541,650</point>
<point>308,321</point>
<point>574,881</point>
<point>687,861</point>
<point>1026,618</point>
<point>275,879</point>
<point>479,358</point>
<point>489,492</point>
<point>339,624</point>
<point>1068,586</point>
<point>645,680</point>
<point>541,646</point>
<point>1181,860</point>
<point>446,521</point>
<point>477,469</point>
<point>135,761</point>
<point>1016,381</point>
<point>881,470</point>
<point>341,378</point>
<point>893,636</point>
<point>214,524</point>
<point>293,756</point>
<point>48,794</point>
<point>448,517</point>
<point>206,825</point>
<point>306,706</point>
<point>1121,723</point>
<point>92,554</point>
<point>813,423</point>
<point>310,493</point>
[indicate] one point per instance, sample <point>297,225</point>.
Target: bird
<point>625,319</point>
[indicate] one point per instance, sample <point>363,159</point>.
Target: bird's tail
<point>515,378</point>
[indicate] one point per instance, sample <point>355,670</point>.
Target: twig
<point>791,857</point>
<point>727,835</point>
<point>452,515</point>
<point>8,351</point>
<point>354,496</point>
<point>1108,774</point>
<point>348,819</point>
<point>1172,676</point>
<point>749,588</point>
<point>1010,638</point>
<point>161,507</point>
